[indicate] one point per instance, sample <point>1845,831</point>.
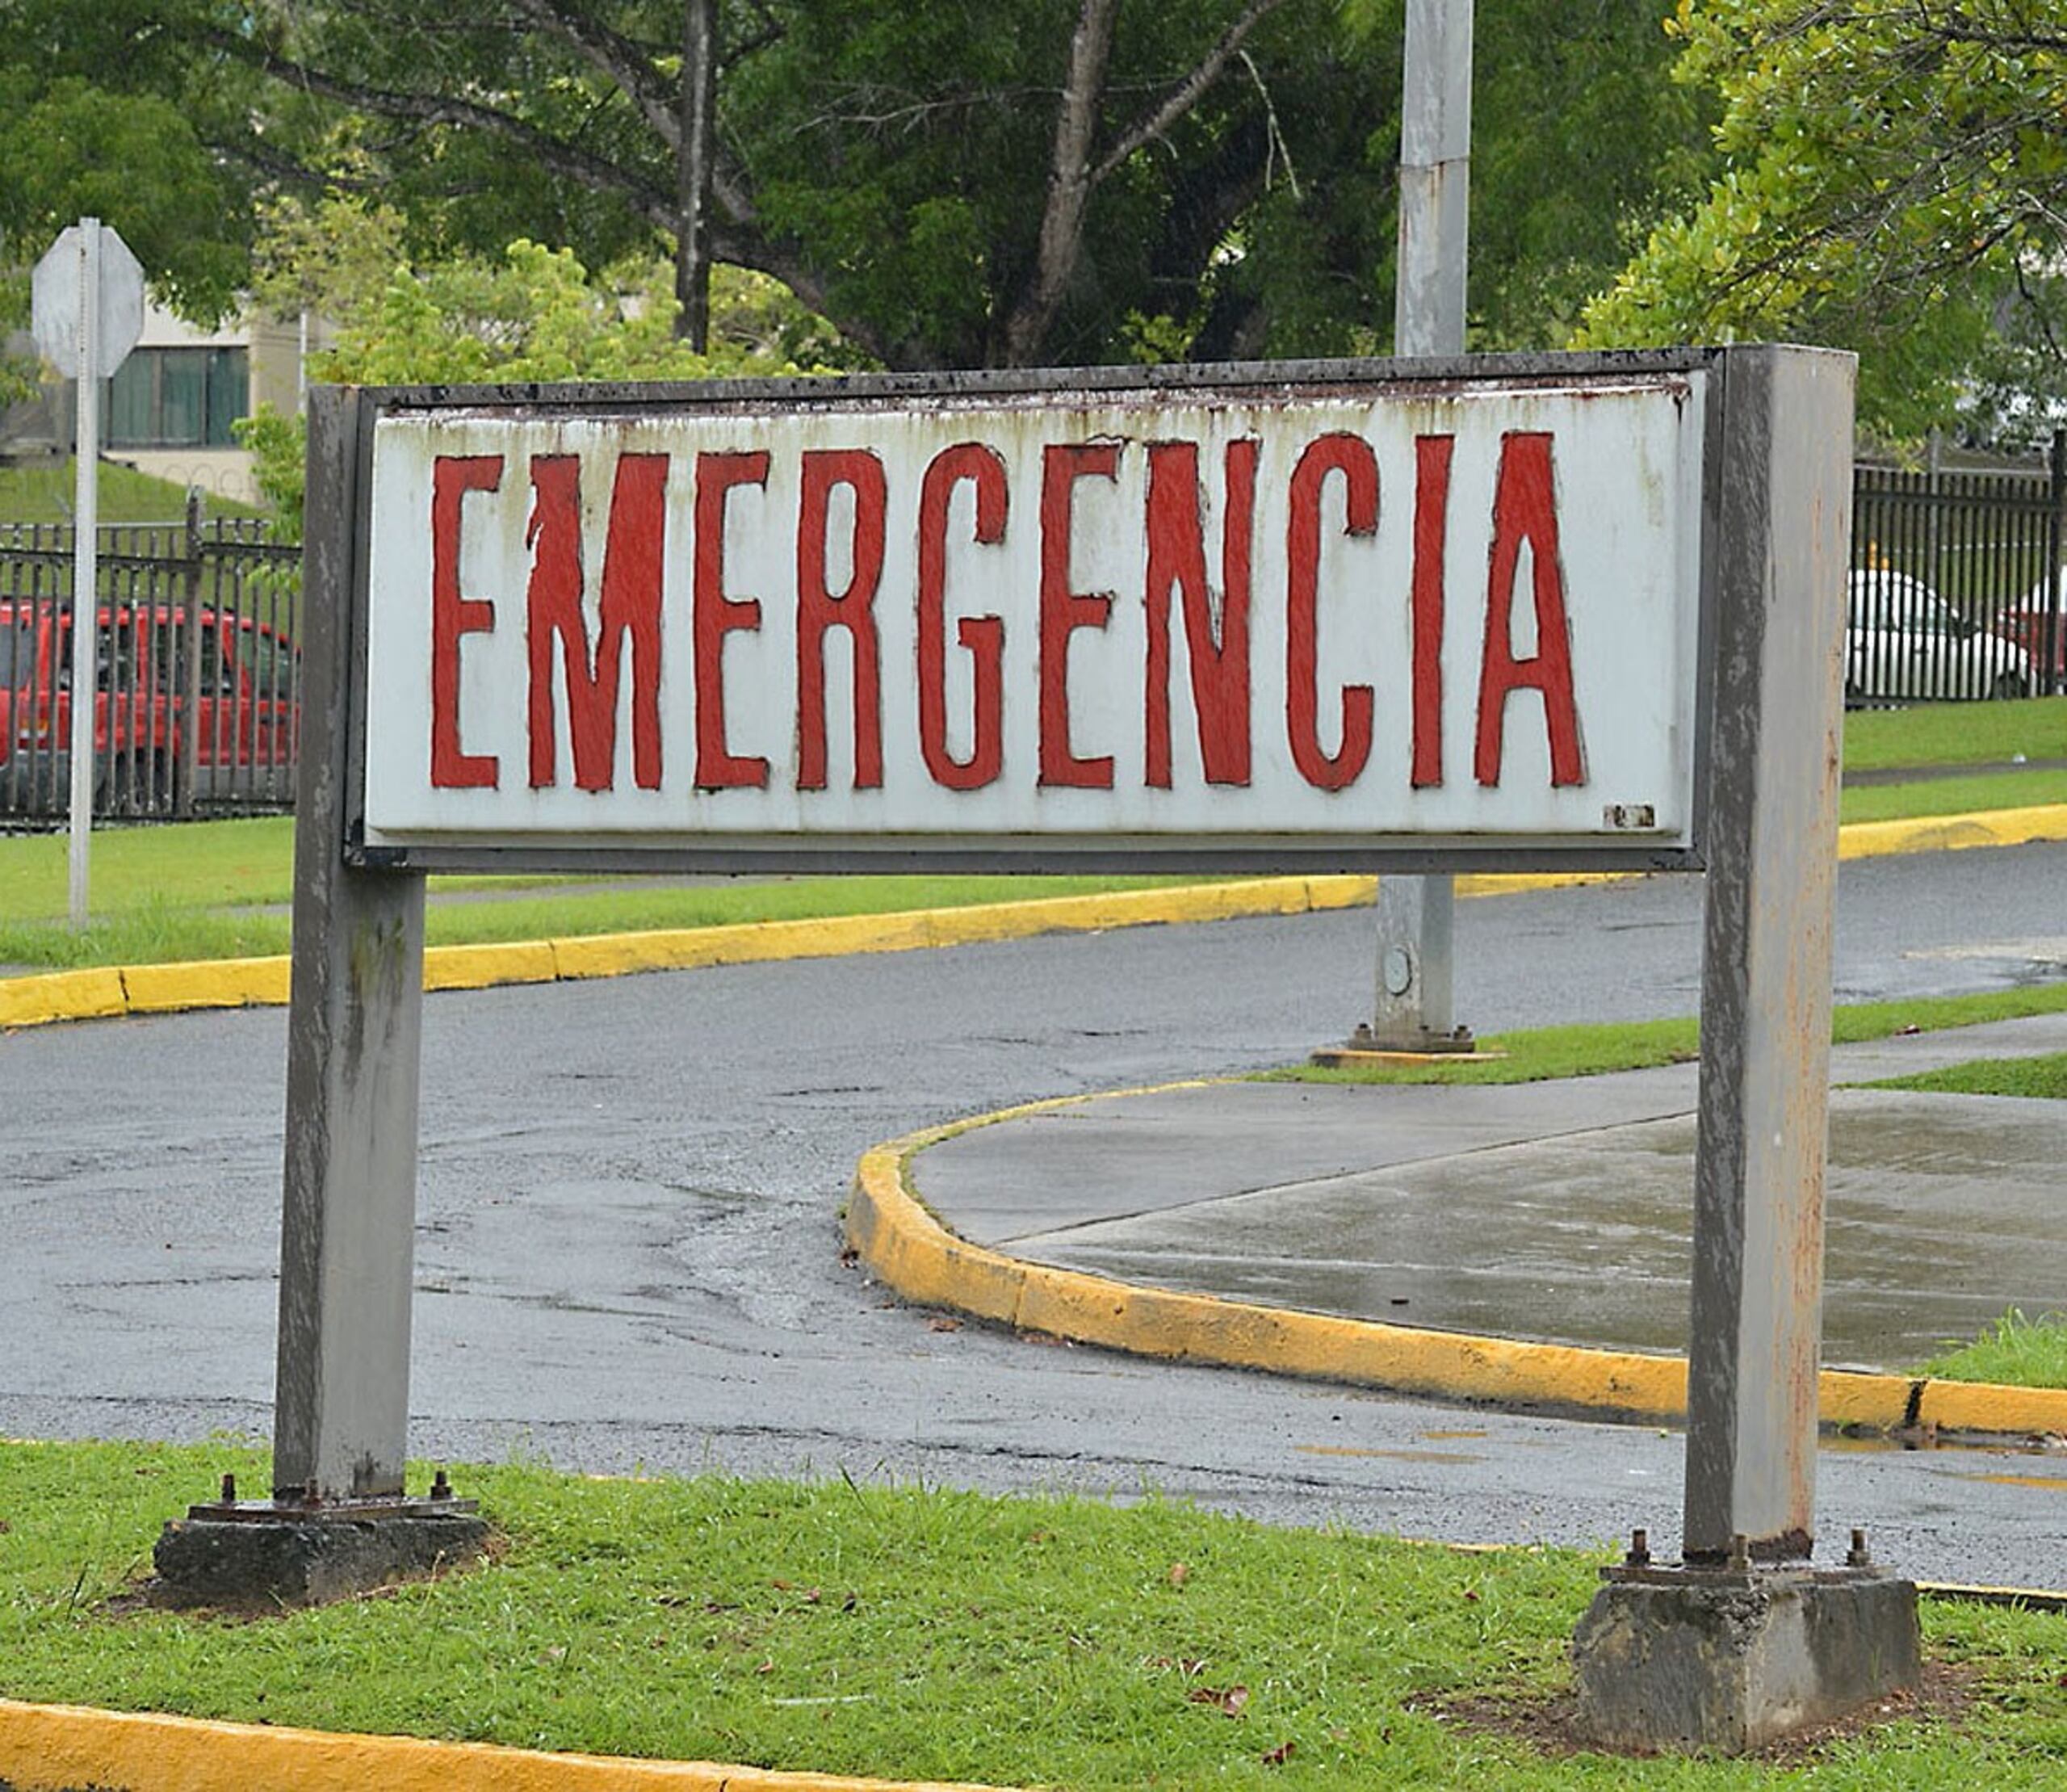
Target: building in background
<point>171,408</point>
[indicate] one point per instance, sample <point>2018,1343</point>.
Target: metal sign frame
<point>1406,381</point>
<point>1775,544</point>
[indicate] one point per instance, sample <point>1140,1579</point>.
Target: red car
<point>247,719</point>
<point>2041,631</point>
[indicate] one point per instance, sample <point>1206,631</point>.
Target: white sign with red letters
<point>1236,617</point>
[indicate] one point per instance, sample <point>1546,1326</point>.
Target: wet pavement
<point>1559,1211</point>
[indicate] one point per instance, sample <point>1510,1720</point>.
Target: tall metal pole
<point>85,521</point>
<point>1414,1008</point>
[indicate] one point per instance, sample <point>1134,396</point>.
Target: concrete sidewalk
<point>1550,1213</point>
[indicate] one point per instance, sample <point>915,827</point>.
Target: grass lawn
<point>2043,1077</point>
<point>914,1633</point>
<point>200,891</point>
<point>1545,1053</point>
<point>2001,790</point>
<point>1955,734</point>
<point>45,492</point>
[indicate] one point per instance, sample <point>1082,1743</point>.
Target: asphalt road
<point>628,1253</point>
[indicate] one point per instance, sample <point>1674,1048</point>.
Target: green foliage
<point>892,166</point>
<point>1586,144</point>
<point>78,149</point>
<point>107,117</point>
<point>334,258</point>
<point>279,446</point>
<point>1895,180</point>
<point>535,316</point>
<point>2014,1352</point>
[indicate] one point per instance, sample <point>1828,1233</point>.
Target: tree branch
<point>558,157</point>
<point>1187,93</point>
<point>612,54</point>
<point>1069,183</point>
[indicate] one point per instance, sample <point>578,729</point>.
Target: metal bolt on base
<point>1366,1038</point>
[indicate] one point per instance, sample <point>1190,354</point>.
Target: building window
<point>177,398</point>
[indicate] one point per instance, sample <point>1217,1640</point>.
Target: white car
<point>1901,640</point>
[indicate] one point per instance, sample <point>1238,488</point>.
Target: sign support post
<point>338,1521</point>
<point>87,298</point>
<point>85,528</point>
<point>354,1026</point>
<point>1783,543</point>
<point>1414,1008</point>
<point>1744,1641</point>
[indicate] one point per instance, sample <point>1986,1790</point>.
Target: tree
<point>534,315</point>
<point>851,140</point>
<point>76,149</point>
<point>1895,180</point>
<point>952,184</point>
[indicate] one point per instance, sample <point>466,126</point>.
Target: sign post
<point>347,1246</point>
<point>87,309</point>
<point>1413,1006</point>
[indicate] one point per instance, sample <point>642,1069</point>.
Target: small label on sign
<point>1632,815</point>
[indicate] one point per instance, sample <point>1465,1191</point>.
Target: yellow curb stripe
<point>234,983</point>
<point>1931,833</point>
<point>62,996</point>
<point>484,967</point>
<point>910,1252</point>
<point>50,1747</point>
<point>1987,1407</point>
<point>1487,883</point>
<point>760,942</point>
<point>237,982</point>
<point>206,983</point>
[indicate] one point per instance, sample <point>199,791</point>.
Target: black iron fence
<point>1955,591</point>
<point>1955,583</point>
<point>197,676</point>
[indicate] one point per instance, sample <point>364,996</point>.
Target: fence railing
<point>1956,585</point>
<point>198,681</point>
<point>1955,591</point>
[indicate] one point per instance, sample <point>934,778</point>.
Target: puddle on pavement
<point>1885,1443</point>
<point>1451,1457</point>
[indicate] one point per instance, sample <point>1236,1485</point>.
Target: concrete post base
<point>268,1554</point>
<point>1730,1660</point>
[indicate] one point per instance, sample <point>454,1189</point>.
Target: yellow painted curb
<point>236,983</point>
<point>910,1252</point>
<point>53,1748</point>
<point>1935,833</point>
<point>206,983</point>
<point>483,967</point>
<point>62,996</point>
